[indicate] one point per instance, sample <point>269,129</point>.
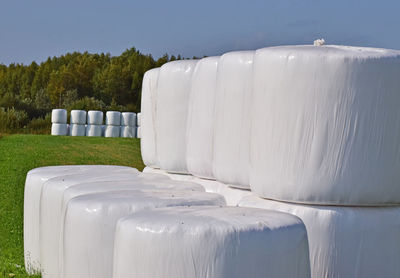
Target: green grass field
<point>21,153</point>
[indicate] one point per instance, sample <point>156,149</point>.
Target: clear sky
<point>35,29</point>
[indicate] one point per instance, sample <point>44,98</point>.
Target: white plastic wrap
<point>78,117</point>
<point>128,119</point>
<point>95,117</point>
<point>33,189</point>
<point>139,119</point>
<point>199,242</point>
<point>112,131</point>
<point>93,130</point>
<point>148,108</point>
<point>232,195</point>
<point>232,122</point>
<point>128,131</point>
<point>346,241</point>
<point>59,116</point>
<point>50,210</point>
<point>201,117</point>
<point>139,132</point>
<point>174,82</point>
<point>326,125</point>
<point>113,118</point>
<point>77,130</point>
<point>58,191</point>
<point>89,225</point>
<point>59,129</point>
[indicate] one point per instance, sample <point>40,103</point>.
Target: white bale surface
<point>113,118</point>
<point>77,130</point>
<point>89,225</point>
<point>232,121</point>
<point>326,125</point>
<point>128,119</point>
<point>112,131</point>
<point>59,129</point>
<point>59,116</point>
<point>354,242</point>
<point>128,131</point>
<point>174,82</point>
<point>58,191</point>
<point>33,190</point>
<point>95,117</point>
<point>50,210</point>
<point>78,117</point>
<point>201,117</point>
<point>223,242</point>
<point>232,195</point>
<point>148,108</point>
<point>139,132</point>
<point>139,119</point>
<point>93,130</point>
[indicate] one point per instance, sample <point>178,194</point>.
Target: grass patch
<point>21,153</point>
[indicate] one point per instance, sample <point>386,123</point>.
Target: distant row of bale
<point>82,123</point>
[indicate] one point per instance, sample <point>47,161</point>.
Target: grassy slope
<point>21,153</point>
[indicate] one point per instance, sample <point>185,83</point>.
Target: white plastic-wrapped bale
<point>128,119</point>
<point>33,190</point>
<point>59,129</point>
<point>354,242</point>
<point>232,195</point>
<point>139,119</point>
<point>50,210</point>
<point>139,132</point>
<point>128,131</point>
<point>59,116</point>
<point>113,118</point>
<point>232,122</point>
<point>56,192</point>
<point>93,130</point>
<point>95,117</point>
<point>326,125</point>
<point>112,131</point>
<point>174,82</point>
<point>201,117</point>
<point>89,225</point>
<point>78,117</point>
<point>77,130</point>
<point>223,242</point>
<point>148,108</point>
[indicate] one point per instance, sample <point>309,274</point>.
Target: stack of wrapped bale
<point>113,124</point>
<point>320,129</point>
<point>78,123</point>
<point>59,122</point>
<point>94,123</point>
<point>128,124</point>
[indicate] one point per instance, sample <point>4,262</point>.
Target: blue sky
<point>35,29</point>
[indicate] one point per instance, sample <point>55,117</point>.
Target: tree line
<point>72,81</point>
